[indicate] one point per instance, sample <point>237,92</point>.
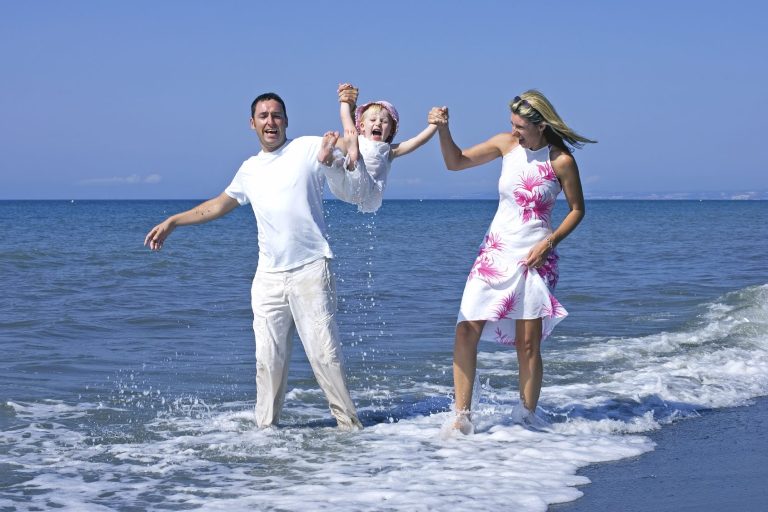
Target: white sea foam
<point>721,362</point>
<point>211,456</point>
<point>223,462</point>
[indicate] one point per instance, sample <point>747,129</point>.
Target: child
<point>369,136</point>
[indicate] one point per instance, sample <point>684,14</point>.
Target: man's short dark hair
<point>266,97</point>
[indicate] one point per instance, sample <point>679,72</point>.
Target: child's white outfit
<point>374,162</point>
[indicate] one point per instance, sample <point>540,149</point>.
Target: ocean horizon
<point>745,195</point>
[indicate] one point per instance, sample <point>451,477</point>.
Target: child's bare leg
<point>353,152</point>
<point>325,155</point>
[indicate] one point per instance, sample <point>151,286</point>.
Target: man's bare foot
<point>325,155</point>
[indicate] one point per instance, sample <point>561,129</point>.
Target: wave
<point>601,395</point>
<point>638,383</point>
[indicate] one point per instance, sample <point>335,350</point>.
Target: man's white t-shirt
<point>285,189</point>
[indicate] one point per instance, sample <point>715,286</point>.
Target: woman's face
<point>529,135</point>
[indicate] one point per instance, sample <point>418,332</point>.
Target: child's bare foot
<point>325,155</point>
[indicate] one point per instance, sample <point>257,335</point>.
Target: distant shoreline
<point>763,196</point>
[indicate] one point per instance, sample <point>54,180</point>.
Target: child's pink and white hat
<point>389,108</point>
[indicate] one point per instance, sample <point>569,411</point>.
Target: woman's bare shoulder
<point>505,141</point>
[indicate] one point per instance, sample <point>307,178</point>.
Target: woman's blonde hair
<point>536,108</point>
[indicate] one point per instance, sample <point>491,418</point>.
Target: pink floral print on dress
<point>555,309</point>
<point>530,181</point>
<point>503,338</point>
<point>534,204</point>
<point>484,267</point>
<point>542,207</point>
<point>506,306</point>
<point>501,288</point>
<point>547,172</point>
<point>491,243</point>
<point>549,271</point>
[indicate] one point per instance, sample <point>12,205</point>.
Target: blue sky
<point>140,99</point>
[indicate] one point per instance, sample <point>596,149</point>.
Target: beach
<point>713,463</point>
<point>127,380</point>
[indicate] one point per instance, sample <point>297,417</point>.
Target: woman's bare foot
<point>463,423</point>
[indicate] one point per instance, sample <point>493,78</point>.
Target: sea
<point>127,377</point>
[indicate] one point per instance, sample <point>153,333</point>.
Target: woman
<point>508,296</point>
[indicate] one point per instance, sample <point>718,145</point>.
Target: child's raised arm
<point>405,147</point>
<point>347,99</point>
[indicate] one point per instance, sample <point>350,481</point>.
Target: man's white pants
<point>302,299</point>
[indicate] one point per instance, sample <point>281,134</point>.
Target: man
<point>293,289</point>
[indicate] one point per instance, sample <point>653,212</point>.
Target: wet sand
<point>717,462</point>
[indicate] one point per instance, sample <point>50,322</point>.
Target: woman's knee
<point>528,345</point>
<point>528,337</point>
<point>468,333</point>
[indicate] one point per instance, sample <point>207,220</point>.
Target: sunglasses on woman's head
<point>532,115</point>
<point>518,102</point>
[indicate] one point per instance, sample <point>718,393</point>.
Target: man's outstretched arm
<point>204,212</point>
